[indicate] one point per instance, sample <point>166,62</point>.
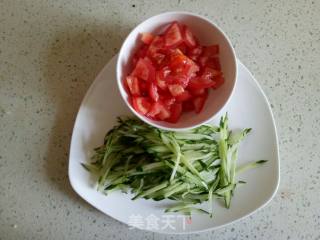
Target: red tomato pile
<point>172,74</point>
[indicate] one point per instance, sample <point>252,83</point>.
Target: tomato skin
<point>173,35</point>
<point>176,111</point>
<point>133,85</point>
<point>153,92</point>
<point>141,104</point>
<point>147,38</point>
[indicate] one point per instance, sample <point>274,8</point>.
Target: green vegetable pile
<point>189,167</point>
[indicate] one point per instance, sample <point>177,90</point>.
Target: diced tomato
<point>210,73</point>
<point>141,53</point>
<point>164,113</point>
<point>188,106</point>
<point>144,70</point>
<point>158,58</point>
<point>199,102</point>
<point>177,59</point>
<point>211,51</point>
<point>194,53</point>
<point>191,68</point>
<point>198,91</point>
<point>219,81</point>
<point>141,104</point>
<point>183,48</point>
<point>200,83</point>
<point>181,64</point>
<point>180,79</point>
<point>161,76</point>
<point>154,110</point>
<point>143,88</point>
<point>153,92</point>
<point>156,45</point>
<point>161,83</point>
<point>168,101</point>
<point>214,63</point>
<point>203,61</point>
<point>147,38</point>
<point>188,37</point>
<point>183,96</point>
<point>175,89</point>
<point>173,36</point>
<point>133,85</point>
<point>176,111</point>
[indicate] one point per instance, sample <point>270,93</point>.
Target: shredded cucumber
<point>188,167</point>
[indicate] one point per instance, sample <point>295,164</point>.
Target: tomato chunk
<point>161,76</point>
<point>210,51</point>
<point>144,70</point>
<point>147,38</point>
<point>168,101</point>
<point>173,36</point>
<point>195,53</point>
<point>199,102</point>
<point>198,91</point>
<point>141,104</point>
<point>154,110</point>
<point>219,81</point>
<point>200,83</point>
<point>175,89</point>
<point>133,85</point>
<point>183,96</point>
<point>176,111</point>
<point>188,106</point>
<point>164,113</point>
<point>188,37</point>
<point>153,92</point>
<point>213,63</point>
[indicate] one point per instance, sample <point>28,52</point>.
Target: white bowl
<point>207,33</point>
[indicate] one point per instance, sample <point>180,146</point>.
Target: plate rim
<point>265,202</point>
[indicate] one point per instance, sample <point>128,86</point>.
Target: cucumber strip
<point>250,165</point>
<point>151,190</point>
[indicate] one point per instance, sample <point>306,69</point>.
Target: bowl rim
<point>120,84</point>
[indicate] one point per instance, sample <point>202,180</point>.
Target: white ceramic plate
<point>248,107</point>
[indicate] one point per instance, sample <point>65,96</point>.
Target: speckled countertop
<point>51,51</point>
